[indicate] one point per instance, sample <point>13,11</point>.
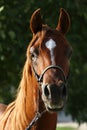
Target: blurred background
<point>15,36</point>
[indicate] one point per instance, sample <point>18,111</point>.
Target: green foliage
<point>77,105</point>
<point>15,36</point>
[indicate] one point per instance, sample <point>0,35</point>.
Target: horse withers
<point>43,84</point>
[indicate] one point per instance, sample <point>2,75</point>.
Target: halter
<point>40,80</point>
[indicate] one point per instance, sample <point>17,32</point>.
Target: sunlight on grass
<point>65,128</point>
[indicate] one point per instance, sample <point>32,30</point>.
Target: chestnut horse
<point>43,85</point>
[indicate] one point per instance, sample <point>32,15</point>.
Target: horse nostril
<point>46,91</point>
<point>63,90</point>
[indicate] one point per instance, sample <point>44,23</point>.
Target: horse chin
<point>54,108</point>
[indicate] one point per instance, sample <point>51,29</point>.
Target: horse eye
<point>34,52</point>
<point>33,55</point>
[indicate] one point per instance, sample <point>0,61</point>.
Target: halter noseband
<point>40,77</point>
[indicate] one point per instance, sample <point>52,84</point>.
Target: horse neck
<point>26,103</point>
<point>27,95</point>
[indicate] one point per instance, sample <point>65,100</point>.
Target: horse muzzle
<point>54,96</point>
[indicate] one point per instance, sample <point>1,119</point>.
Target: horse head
<point>49,55</point>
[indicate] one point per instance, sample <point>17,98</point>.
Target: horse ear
<point>64,22</point>
<point>36,22</point>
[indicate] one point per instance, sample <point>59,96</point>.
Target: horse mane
<point>17,109</point>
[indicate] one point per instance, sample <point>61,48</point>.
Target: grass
<point>65,128</point>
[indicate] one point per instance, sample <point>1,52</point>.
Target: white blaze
<point>51,44</point>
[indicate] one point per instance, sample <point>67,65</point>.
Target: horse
<point>43,87</point>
